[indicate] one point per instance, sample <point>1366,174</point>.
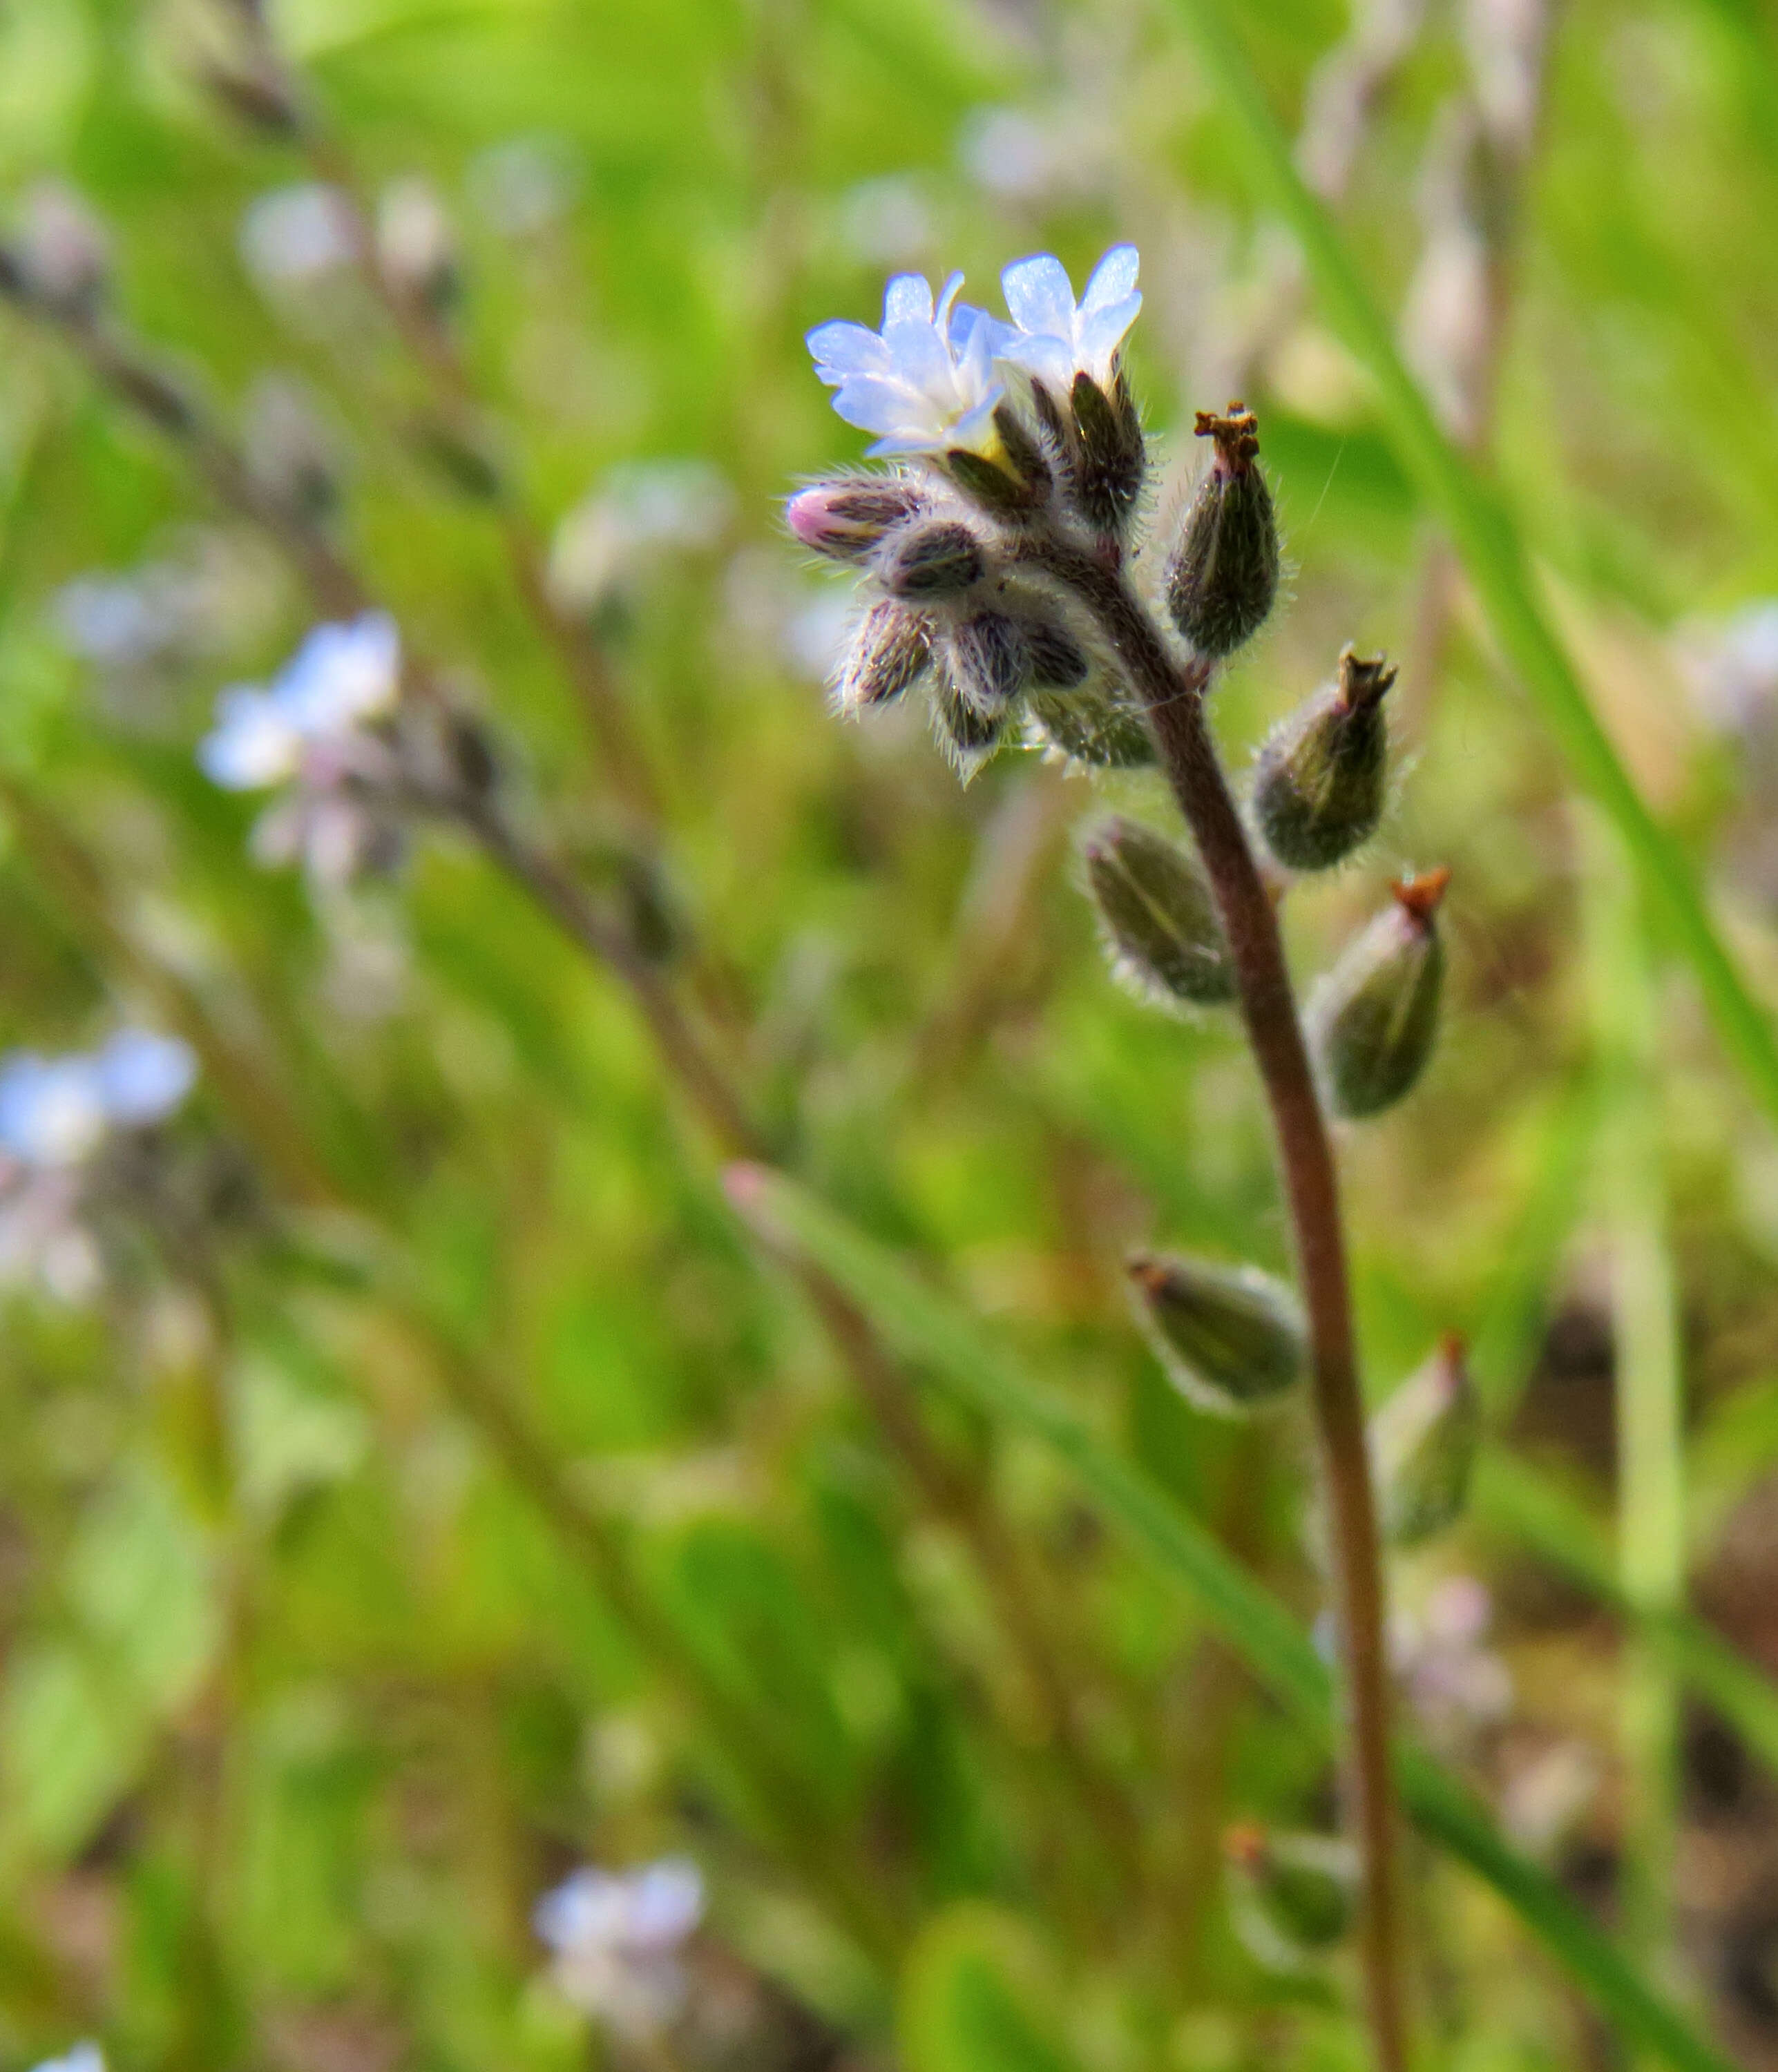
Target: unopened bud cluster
<point>995,432</point>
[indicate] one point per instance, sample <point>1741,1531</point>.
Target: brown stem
<point>1173,694</point>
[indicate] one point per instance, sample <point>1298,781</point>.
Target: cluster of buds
<point>995,429</point>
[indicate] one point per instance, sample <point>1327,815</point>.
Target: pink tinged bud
<point>847,520</point>
<point>1373,1019</point>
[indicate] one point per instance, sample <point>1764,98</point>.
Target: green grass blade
<point>925,1328</point>
<point>1488,545</point>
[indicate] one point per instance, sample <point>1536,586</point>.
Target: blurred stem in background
<point>1630,1201</point>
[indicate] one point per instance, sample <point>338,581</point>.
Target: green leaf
<point>925,1328</point>
<point>960,2009</point>
<point>1491,551</point>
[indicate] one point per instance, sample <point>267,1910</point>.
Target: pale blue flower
<point>615,1937</point>
<point>926,382</point>
<point>1055,338</point>
<point>340,676</point>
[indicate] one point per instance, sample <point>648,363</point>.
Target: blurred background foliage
<point>434,1472</point>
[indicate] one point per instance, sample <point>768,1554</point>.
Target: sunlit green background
<point>306,1694</point>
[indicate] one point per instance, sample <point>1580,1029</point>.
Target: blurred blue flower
<point>615,1937</point>
<point>926,383</point>
<point>340,676</point>
<point>1055,338</point>
<point>55,1112</point>
<point>81,2057</point>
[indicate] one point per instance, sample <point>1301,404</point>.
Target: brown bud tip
<point>1363,683</point>
<point>1452,1348</point>
<point>1146,1271</point>
<point>1244,1843</point>
<point>1235,433</point>
<point>1420,896</point>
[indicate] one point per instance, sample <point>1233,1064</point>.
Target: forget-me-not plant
<point>615,1937</point>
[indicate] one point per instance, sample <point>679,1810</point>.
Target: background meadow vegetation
<point>435,1486</point>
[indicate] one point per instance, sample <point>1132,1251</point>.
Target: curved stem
<point>1173,694</point>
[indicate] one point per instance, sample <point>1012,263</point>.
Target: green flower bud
<point>1373,1017</point>
<point>1230,1337</point>
<point>968,736</point>
<point>889,651</point>
<point>1318,785</point>
<point>1223,578</point>
<point>1109,454</point>
<point>1159,916</point>
<point>1097,725</point>
<point>1292,1898</point>
<point>1015,484</point>
<point>1423,1444</point>
<point>988,661</point>
<point>937,557</point>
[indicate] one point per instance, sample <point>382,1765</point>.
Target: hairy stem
<point>1173,695</point>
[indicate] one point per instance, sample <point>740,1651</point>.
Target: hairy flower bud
<point>1293,1896</point>
<point>1058,661</point>
<point>1231,1338</point>
<point>847,518</point>
<point>1319,781</point>
<point>1109,454</point>
<point>1016,482</point>
<point>1373,1017</point>
<point>931,558</point>
<point>1159,917</point>
<point>989,662</point>
<point>968,736</point>
<point>890,650</point>
<point>1423,1445</point>
<point>1095,724</point>
<point>291,454</point>
<point>1223,578</point>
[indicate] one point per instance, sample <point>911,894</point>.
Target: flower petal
<point>908,299</point>
<point>840,348</point>
<point>952,283</point>
<point>874,403</point>
<point>143,1076</point>
<point>1114,278</point>
<point>1048,360</point>
<point>1103,332</point>
<point>1040,295</point>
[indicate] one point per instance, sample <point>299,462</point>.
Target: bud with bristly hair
<point>1320,783</point>
<point>1293,1896</point>
<point>848,517</point>
<point>968,736</point>
<point>1159,915</point>
<point>1372,1019</point>
<point>1100,724</point>
<point>889,653</point>
<point>1423,1444</point>
<point>987,661</point>
<point>1223,579</point>
<point>1231,1338</point>
<point>930,559</point>
<point>291,455</point>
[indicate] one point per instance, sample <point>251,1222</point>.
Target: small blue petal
<point>1114,278</point>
